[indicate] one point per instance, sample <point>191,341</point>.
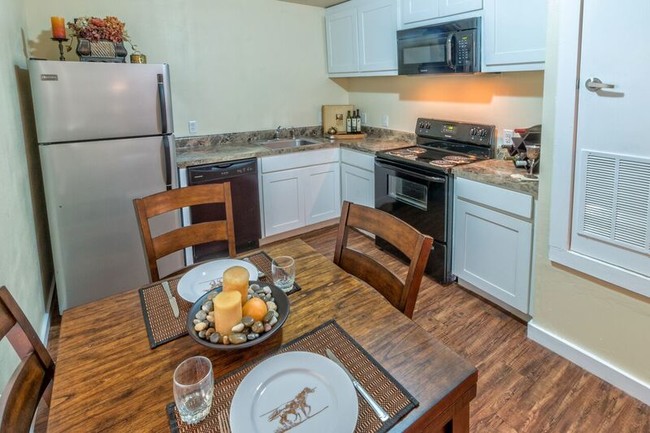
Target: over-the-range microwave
<point>451,47</point>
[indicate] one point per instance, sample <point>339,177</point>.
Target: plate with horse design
<point>296,392</point>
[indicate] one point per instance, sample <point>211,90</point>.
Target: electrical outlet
<point>364,117</point>
<point>192,126</point>
<point>384,120</point>
<point>507,137</point>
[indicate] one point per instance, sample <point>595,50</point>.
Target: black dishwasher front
<point>242,175</point>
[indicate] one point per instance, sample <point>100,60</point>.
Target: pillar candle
<point>227,311</point>
<point>236,278</point>
<point>58,27</point>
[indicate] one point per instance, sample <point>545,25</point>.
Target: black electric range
<point>416,185</point>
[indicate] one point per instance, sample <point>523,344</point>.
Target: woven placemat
<point>159,320</point>
<point>396,400</point>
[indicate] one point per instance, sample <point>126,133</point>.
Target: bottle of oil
<point>348,123</point>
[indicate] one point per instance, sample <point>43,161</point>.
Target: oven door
<point>415,196</point>
<point>422,199</point>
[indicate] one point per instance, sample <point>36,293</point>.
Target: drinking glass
<point>532,153</point>
<point>193,388</point>
<point>283,272</point>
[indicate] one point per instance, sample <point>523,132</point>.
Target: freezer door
<point>96,242</point>
<point>77,101</point>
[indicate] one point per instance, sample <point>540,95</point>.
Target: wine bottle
<point>358,121</point>
<point>348,123</point>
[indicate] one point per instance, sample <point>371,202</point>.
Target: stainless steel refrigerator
<point>105,136</point>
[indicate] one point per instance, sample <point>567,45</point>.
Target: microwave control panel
<point>464,48</point>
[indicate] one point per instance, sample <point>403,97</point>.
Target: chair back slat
<point>32,379</point>
<point>413,244</point>
<point>163,244</point>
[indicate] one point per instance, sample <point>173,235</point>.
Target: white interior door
<point>612,180</point>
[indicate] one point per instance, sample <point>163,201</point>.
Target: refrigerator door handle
<point>167,160</point>
<point>163,103</point>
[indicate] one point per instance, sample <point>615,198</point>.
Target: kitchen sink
<point>285,143</point>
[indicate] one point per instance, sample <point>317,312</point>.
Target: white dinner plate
<point>300,392</point>
<point>201,279</point>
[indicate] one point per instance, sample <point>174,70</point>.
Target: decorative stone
<point>267,290</point>
<point>201,315</point>
<point>252,336</point>
<point>268,316</point>
<point>214,338</point>
<point>238,327</point>
<point>271,306</point>
<point>200,327</point>
<point>210,318</point>
<point>202,334</point>
<point>273,321</point>
<point>225,339</point>
<point>209,332</point>
<point>254,287</point>
<point>237,338</point>
<point>247,321</point>
<point>257,327</point>
<point>267,327</point>
<point>207,306</point>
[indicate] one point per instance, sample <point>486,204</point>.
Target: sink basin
<point>286,143</point>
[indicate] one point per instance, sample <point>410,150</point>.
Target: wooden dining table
<point>109,379</point>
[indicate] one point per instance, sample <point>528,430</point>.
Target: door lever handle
<point>594,85</point>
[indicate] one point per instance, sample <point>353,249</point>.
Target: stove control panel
<point>456,131</point>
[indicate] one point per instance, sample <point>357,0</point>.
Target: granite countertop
<point>497,172</point>
<point>221,152</point>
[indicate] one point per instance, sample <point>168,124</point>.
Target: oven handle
<point>411,173</point>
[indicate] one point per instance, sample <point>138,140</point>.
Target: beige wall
<point>600,319</point>
<point>22,219</point>
<point>235,65</point>
<point>511,100</point>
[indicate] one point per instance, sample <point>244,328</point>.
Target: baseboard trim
<point>590,362</point>
<point>47,317</point>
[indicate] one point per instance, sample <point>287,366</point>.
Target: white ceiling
<point>319,3</point>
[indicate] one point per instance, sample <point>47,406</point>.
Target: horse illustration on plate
<point>293,412</point>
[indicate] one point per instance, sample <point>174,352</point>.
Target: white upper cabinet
<point>418,10</point>
<point>514,35</point>
<point>361,38</point>
<point>342,41</point>
<point>415,11</point>
<point>377,36</point>
<point>453,7</point>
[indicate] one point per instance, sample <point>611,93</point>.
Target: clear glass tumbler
<point>283,272</point>
<point>193,388</point>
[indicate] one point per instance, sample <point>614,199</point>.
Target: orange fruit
<point>256,308</point>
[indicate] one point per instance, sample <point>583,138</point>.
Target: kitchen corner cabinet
<point>414,11</point>
<point>360,38</point>
<point>358,177</point>
<point>300,189</point>
<point>514,35</point>
<point>493,240</point>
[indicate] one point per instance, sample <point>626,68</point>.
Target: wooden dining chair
<point>31,382</point>
<point>183,237</point>
<point>413,244</point>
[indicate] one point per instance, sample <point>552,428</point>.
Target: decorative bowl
<point>281,300</point>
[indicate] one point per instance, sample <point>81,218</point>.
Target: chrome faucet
<point>293,133</point>
<point>276,135</point>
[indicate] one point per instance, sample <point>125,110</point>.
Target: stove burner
<point>442,163</point>
<point>415,150</point>
<point>459,159</point>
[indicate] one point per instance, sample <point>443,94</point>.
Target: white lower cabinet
<point>299,189</point>
<point>493,241</point>
<point>358,177</point>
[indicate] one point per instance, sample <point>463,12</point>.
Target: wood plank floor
<point>522,387</point>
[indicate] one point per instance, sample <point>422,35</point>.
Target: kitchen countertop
<point>497,172</point>
<point>222,152</point>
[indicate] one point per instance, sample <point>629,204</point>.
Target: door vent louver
<point>616,200</point>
